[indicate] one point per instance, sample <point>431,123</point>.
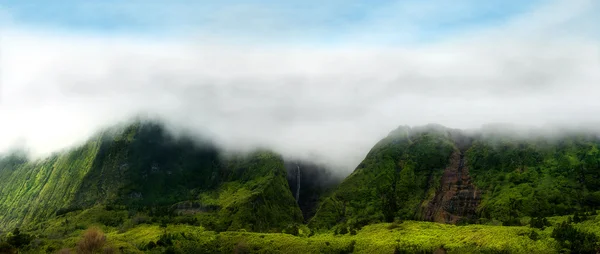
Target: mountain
<point>143,168</point>
<point>434,173</point>
<point>419,190</point>
<point>394,179</point>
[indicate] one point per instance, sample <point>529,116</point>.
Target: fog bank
<point>329,102</point>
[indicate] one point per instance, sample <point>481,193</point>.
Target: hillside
<point>418,190</point>
<point>142,168</point>
<point>438,174</point>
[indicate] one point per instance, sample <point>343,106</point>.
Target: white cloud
<point>59,88</point>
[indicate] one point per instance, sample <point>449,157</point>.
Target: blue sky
<point>298,22</point>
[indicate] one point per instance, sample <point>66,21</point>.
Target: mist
<point>326,102</point>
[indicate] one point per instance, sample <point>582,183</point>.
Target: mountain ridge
<point>140,178</point>
<point>507,174</point>
<point>140,166</point>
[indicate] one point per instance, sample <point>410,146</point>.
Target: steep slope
<point>33,191</point>
<point>538,176</point>
<point>143,168</point>
<point>309,183</point>
<point>456,198</point>
<point>438,174</point>
<point>398,176</point>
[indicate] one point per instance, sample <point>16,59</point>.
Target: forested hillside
<point>439,174</point>
<point>420,189</point>
<point>142,168</point>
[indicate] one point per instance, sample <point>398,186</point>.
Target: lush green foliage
<point>151,192</point>
<point>539,222</point>
<point>397,176</point>
<point>575,240</point>
<point>518,177</point>
<point>536,177</point>
<point>141,168</point>
<point>405,237</point>
<point>33,191</point>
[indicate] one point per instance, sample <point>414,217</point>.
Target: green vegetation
<point>397,176</point>
<point>142,169</point>
<point>536,177</point>
<point>407,237</point>
<point>137,189</point>
<point>517,178</point>
<point>575,240</point>
<point>33,191</point>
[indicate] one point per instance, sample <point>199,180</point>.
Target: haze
<point>261,80</point>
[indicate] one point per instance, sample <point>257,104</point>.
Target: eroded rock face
<point>456,198</point>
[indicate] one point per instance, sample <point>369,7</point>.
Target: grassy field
<point>140,234</point>
<point>405,237</point>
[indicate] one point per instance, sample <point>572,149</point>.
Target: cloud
<point>330,102</point>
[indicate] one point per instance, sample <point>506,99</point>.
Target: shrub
<point>512,222</point>
<point>187,220</point>
<point>577,217</point>
<point>539,222</point>
<point>574,239</point>
<point>348,248</point>
<point>164,223</point>
<point>241,248</point>
<point>394,225</point>
<point>165,240</point>
<point>352,231</point>
<point>533,235</point>
<point>304,231</point>
<point>292,229</point>
<point>111,219</point>
<point>93,241</point>
<point>150,245</point>
<point>140,219</point>
<point>341,229</point>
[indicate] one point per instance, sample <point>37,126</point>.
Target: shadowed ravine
<point>308,183</point>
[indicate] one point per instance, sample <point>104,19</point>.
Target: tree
<point>571,238</point>
<point>539,222</point>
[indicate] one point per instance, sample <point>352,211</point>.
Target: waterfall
<point>298,183</point>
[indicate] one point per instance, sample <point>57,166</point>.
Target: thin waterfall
<point>298,183</point>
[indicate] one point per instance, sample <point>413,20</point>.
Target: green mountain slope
<point>396,176</point>
<point>33,191</point>
<point>142,168</point>
<point>439,174</point>
<point>537,176</point>
<point>151,192</point>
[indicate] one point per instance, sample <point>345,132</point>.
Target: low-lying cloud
<point>330,102</point>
